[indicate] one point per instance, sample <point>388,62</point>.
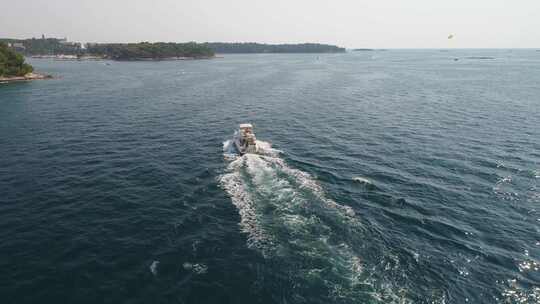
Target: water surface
<point>399,176</point>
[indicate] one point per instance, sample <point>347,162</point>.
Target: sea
<point>384,176</point>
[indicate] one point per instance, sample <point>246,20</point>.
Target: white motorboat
<point>244,140</point>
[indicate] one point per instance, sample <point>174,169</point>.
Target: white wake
<point>286,214</point>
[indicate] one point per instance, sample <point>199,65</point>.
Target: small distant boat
<point>244,140</point>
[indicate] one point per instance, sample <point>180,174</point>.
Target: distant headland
<point>252,47</point>
<point>149,51</point>
<point>62,49</point>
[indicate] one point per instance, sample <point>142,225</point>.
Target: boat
<point>244,139</point>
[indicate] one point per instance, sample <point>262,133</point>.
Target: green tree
<point>12,63</point>
<point>146,50</point>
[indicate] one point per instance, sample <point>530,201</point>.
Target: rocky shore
<point>27,77</point>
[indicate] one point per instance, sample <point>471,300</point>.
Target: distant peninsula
<point>256,48</point>
<point>192,50</point>
<point>150,51</point>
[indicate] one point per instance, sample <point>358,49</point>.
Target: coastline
<point>27,77</point>
<point>62,57</point>
<point>105,58</point>
<point>163,59</point>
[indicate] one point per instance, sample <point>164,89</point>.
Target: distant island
<point>13,67</point>
<point>252,48</point>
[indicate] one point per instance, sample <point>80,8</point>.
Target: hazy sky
<point>348,23</point>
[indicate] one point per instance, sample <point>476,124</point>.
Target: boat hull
<point>244,140</point>
<point>243,148</point>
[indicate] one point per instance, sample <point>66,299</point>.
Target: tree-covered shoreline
<point>256,48</point>
<point>114,51</point>
<point>12,63</point>
<point>44,46</point>
<point>149,51</point>
<point>159,50</point>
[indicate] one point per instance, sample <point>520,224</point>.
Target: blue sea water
<point>399,176</point>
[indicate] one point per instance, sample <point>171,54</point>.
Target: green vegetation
<point>45,46</point>
<point>149,51</point>
<point>12,63</point>
<point>251,47</point>
<point>116,51</point>
<point>159,50</point>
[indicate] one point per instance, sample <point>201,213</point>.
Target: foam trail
<point>197,268</point>
<point>153,267</point>
<point>362,180</point>
<point>287,216</point>
<point>229,152</point>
